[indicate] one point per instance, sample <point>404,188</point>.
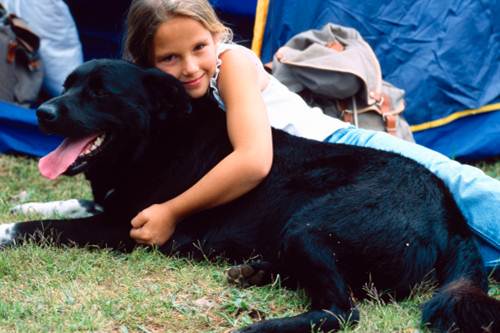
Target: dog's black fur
<point>330,217</point>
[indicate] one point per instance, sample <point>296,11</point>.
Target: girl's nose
<point>190,66</point>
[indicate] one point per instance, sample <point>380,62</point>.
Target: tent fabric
<point>444,54</point>
<point>101,31</point>
<point>19,132</point>
<point>457,139</point>
<point>239,16</point>
<point>245,7</point>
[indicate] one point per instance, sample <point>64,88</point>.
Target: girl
<point>186,39</point>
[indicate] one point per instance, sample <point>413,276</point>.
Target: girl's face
<point>184,48</point>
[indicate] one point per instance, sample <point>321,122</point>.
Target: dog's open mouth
<point>72,155</point>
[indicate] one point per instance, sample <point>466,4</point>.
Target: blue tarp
<point>19,132</point>
<point>445,54</point>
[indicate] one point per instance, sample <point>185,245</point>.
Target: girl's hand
<point>154,225</point>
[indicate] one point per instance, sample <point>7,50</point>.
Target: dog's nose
<point>47,113</point>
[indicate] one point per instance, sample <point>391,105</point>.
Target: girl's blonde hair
<point>145,16</point>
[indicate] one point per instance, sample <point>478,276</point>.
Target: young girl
<point>187,40</point>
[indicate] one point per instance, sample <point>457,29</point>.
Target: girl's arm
<point>239,172</point>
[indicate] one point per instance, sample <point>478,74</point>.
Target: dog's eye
<point>96,87</point>
<point>99,92</point>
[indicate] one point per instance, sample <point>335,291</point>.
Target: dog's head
<point>107,106</point>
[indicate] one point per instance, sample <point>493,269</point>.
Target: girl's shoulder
<point>237,51</point>
<point>236,58</point>
<point>223,47</point>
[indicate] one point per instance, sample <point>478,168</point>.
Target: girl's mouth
<point>193,83</point>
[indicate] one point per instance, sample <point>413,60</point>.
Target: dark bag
<point>21,70</point>
<point>335,69</point>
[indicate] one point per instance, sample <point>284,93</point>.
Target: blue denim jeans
<point>477,195</point>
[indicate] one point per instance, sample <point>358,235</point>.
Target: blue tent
<point>445,54</point>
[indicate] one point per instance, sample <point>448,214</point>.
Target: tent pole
<point>259,25</point>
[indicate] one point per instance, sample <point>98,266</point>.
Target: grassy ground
<point>47,289</point>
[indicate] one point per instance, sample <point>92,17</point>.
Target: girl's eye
<point>168,58</point>
<point>199,46</point>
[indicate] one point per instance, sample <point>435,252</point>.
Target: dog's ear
<point>168,96</point>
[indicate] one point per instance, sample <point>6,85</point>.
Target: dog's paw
<point>245,275</point>
<point>72,208</point>
<point>7,232</point>
<point>259,327</point>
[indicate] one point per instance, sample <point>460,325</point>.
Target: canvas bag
<point>335,69</point>
<point>20,65</point>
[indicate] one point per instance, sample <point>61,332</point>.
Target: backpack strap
<point>26,41</point>
<point>3,11</point>
<point>27,38</point>
<point>349,111</point>
<point>389,117</point>
<point>20,65</point>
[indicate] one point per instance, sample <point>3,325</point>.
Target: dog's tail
<point>462,303</point>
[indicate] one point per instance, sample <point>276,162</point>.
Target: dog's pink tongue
<point>56,162</point>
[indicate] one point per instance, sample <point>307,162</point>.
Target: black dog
<point>330,217</point>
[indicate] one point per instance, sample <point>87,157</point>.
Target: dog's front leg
<point>312,263</point>
<point>94,231</point>
<point>72,208</point>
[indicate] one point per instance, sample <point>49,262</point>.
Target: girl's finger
<point>138,221</point>
<point>136,234</point>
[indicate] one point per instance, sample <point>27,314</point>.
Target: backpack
<point>20,65</point>
<point>336,70</point>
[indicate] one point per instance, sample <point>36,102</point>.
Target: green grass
<point>48,289</point>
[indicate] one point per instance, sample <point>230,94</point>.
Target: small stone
<point>204,303</point>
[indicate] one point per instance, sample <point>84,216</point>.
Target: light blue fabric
<point>477,195</point>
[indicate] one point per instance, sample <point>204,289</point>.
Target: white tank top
<point>286,110</point>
